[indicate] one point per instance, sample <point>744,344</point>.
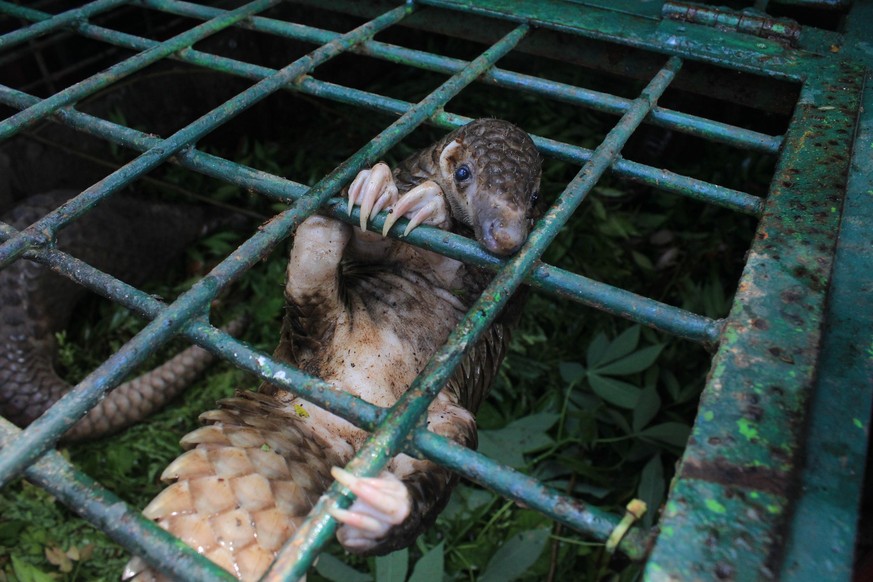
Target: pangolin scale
<point>365,313</point>
<point>130,238</point>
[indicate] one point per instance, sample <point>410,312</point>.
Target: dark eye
<point>533,199</point>
<point>462,174</point>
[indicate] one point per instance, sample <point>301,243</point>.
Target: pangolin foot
<point>424,204</point>
<point>373,190</point>
<point>382,502</point>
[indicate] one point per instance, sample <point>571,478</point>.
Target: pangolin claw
<point>382,502</point>
<point>424,204</point>
<point>373,190</point>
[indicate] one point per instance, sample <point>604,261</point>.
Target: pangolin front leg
<point>375,190</point>
<point>383,502</point>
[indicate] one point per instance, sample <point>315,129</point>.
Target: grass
<point>588,403</point>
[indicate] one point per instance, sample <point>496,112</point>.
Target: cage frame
<point>732,490</point>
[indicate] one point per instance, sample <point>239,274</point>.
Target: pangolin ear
<point>449,158</point>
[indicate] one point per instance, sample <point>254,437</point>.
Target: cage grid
<point>739,474</point>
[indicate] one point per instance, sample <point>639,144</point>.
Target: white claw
<point>382,502</point>
<point>423,204</point>
<point>355,188</point>
<point>373,190</point>
<point>425,213</point>
<point>357,520</point>
<point>343,477</point>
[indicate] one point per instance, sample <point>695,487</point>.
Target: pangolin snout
<point>503,233</point>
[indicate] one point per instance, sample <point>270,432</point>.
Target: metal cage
<point>769,484</point>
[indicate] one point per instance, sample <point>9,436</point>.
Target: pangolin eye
<point>462,174</point>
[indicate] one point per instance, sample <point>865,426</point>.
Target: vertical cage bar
<point>735,484</point>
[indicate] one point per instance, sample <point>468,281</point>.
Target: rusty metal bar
<point>736,480</point>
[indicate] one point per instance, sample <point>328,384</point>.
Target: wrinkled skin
<point>365,313</point>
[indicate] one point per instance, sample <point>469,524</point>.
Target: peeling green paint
<point>746,428</point>
<point>715,507</point>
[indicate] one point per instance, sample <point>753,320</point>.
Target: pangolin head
<point>490,173</point>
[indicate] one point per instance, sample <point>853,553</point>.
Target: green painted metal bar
<point>590,521</point>
<point>298,553</point>
<point>824,526</point>
<point>72,94</point>
<point>43,432</point>
<point>52,23</point>
<point>548,278</point>
<point>562,283</point>
<point>38,233</point>
<point>733,50</point>
<point>726,19</point>
<point>605,102</point>
<point>737,478</point>
<point>634,171</point>
<point>640,173</point>
<point>218,342</point>
<point>126,525</point>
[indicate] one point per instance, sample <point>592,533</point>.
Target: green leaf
<point>672,384</point>
<point>571,371</point>
<point>671,433</point>
<point>26,572</point>
<point>515,556</point>
<point>647,407</point>
<point>10,531</point>
<point>614,391</point>
<point>336,571</point>
<point>651,488</point>
<point>525,435</point>
<point>642,261</point>
<point>596,350</point>
<point>635,362</point>
<point>623,345</point>
<point>430,567</point>
<point>393,567</point>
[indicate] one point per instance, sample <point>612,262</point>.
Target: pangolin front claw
<point>382,502</point>
<point>372,190</point>
<point>424,204</point>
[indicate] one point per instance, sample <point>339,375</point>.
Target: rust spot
<point>723,472</point>
<point>781,355</point>
<point>791,295</point>
<point>754,412</point>
<point>779,455</point>
<point>759,323</point>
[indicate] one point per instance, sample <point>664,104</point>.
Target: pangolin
<point>130,238</point>
<point>365,313</point>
